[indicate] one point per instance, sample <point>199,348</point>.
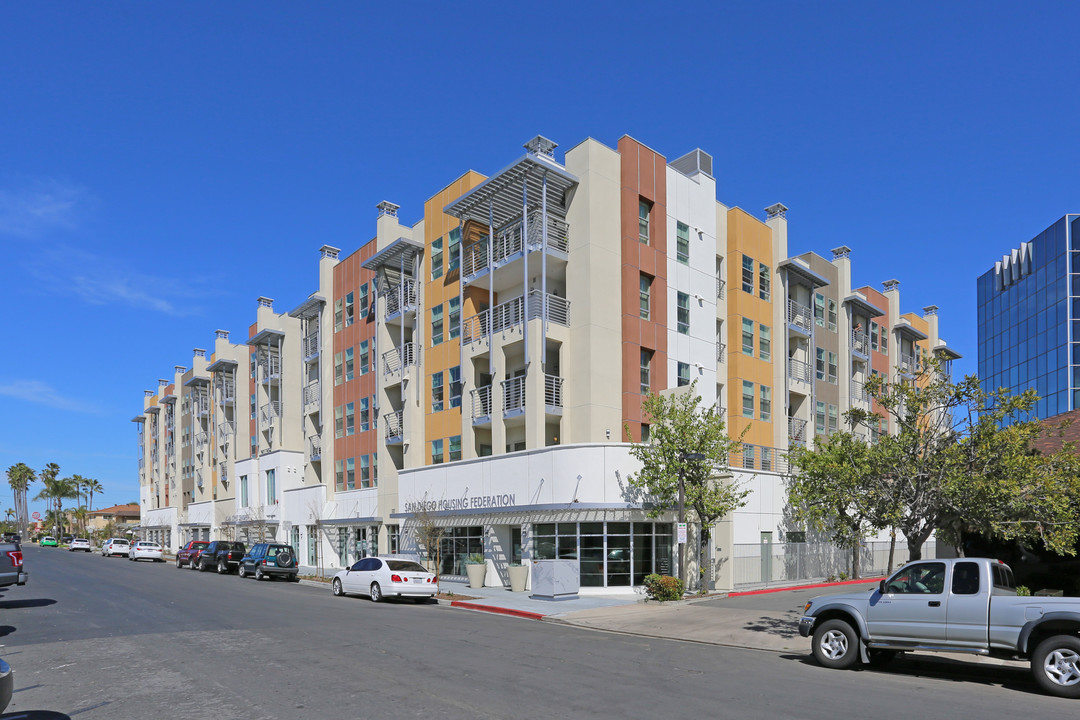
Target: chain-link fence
<point>788,563</point>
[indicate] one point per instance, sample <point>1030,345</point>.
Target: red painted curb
<point>497,610</point>
<point>801,587</point>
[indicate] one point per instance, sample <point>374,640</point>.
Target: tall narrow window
<point>339,475</point>
<point>765,403</point>
<point>683,313</point>
<point>455,317</point>
<point>764,342</point>
<point>646,371</point>
<point>747,399</point>
<point>764,282</point>
<point>832,367</point>
<point>834,412</point>
<point>819,418</point>
<point>747,336</point>
<point>645,296</point>
<point>350,418</point>
<point>832,315</point>
<point>365,414</point>
<point>363,300</point>
<point>271,487</point>
<point>819,309</point>
<point>337,369</point>
<point>243,491</point>
<point>884,341</point>
<point>748,274</point>
<point>350,366</point>
<point>339,422</point>
<point>337,314</point>
<point>819,363</point>
<point>349,309</point>
<point>365,471</point>
<point>436,452</point>
<point>365,357</point>
<point>644,209</point>
<point>682,243</point>
<point>455,447</point>
<point>350,474</point>
<point>873,335</point>
<point>436,325</point>
<point>437,391</point>
<point>455,386</point>
<point>684,374</point>
<point>436,259</point>
<point>453,249</point>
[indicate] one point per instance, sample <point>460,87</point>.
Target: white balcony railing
<point>400,298</point>
<point>799,315</point>
<point>720,284</point>
<point>555,308</point>
<point>797,430</point>
<point>908,364</point>
<point>858,392</point>
<point>513,394</point>
<point>270,366</point>
<point>226,391</point>
<point>798,370</point>
<point>397,358</point>
<point>481,402</point>
<point>225,431</point>
<point>312,393</point>
<point>860,342</point>
<point>393,427</point>
<point>509,242</point>
<point>200,406</point>
<point>475,327</point>
<point>721,350</point>
<point>269,413</point>
<point>553,386</point>
<point>200,440</point>
<point>311,345</point>
<point>315,447</point>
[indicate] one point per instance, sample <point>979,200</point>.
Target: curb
<point>466,605</point>
<point>786,588</point>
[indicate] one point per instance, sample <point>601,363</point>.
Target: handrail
<point>799,315</point>
<point>860,342</point>
<point>721,348</point>
<point>481,404</point>
<point>798,370</point>
<point>393,425</point>
<point>553,393</point>
<point>400,297</point>
<point>514,393</point>
<point>395,359</point>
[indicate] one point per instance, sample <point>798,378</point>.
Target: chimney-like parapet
<point>387,208</point>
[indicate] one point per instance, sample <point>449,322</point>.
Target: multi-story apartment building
<point>1028,313</point>
<point>484,368</point>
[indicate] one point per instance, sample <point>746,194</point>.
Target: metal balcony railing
<point>799,315</point>
<point>720,284</point>
<point>314,447</point>
<point>481,402</point>
<point>721,350</point>
<point>312,393</point>
<point>508,314</point>
<point>553,386</point>
<point>858,392</point>
<point>269,366</point>
<point>400,298</point>
<point>200,406</point>
<point>200,440</point>
<point>555,308</point>
<point>797,430</point>
<point>513,394</point>
<point>475,327</point>
<point>393,427</point>
<point>860,343</point>
<point>226,390</point>
<point>269,413</point>
<point>311,345</point>
<point>474,259</point>
<point>508,242</point>
<point>907,364</point>
<point>397,358</point>
<point>798,370</point>
<point>198,479</point>
<point>225,431</point>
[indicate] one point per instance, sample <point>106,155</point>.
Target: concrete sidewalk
<point>502,601</point>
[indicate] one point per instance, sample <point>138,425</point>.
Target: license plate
<point>419,580</point>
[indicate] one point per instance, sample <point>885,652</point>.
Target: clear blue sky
<point>164,164</point>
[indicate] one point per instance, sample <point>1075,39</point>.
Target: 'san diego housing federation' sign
<point>476,502</point>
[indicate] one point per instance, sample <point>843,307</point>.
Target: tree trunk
<point>892,551</point>
<point>914,545</point>
<point>855,560</point>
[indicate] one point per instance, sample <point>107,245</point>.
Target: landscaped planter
<point>476,572</point>
<point>519,576</point>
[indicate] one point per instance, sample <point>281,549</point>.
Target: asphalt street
<point>92,637</point>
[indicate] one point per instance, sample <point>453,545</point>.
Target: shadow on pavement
<point>786,628</point>
<point>6,630</point>
<point>35,715</point>
<point>27,603</point>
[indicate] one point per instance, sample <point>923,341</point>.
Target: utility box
<point>555,579</point>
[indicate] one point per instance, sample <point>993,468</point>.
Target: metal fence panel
<point>761,565</point>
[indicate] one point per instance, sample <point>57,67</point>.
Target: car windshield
<point>404,566</point>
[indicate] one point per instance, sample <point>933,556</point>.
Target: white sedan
<point>144,550</point>
<point>380,578</point>
<point>115,546</point>
<point>79,544</point>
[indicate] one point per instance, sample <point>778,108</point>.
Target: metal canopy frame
<point>802,273</point>
<point>264,337</point>
<point>948,352</point>
<point>221,365</point>
<point>498,200</point>
<point>309,308</point>
<point>858,302</point>
<point>906,328</point>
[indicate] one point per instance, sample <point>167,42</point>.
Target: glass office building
<point>1029,319</point>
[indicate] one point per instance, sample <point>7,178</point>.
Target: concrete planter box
<point>476,572</point>
<point>519,576</point>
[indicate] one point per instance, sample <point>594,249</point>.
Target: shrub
<point>1023,590</point>
<point>663,587</point>
<point>475,559</point>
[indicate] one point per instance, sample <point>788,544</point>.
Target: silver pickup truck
<point>963,605</point>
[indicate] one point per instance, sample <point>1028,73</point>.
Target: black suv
<point>222,554</point>
<point>265,560</point>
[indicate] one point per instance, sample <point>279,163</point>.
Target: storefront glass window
<point>614,554</point>
<point>456,546</point>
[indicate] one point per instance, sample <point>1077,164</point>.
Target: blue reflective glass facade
<point>1029,319</point>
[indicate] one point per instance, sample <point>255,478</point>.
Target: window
<point>832,315</point>
<point>455,447</point>
<point>747,399</point>
<point>374,469</point>
<point>884,341</point>
<point>350,418</point>
<point>436,325</point>
<point>365,357</point>
<point>350,366</point>
<point>819,418</point>
<point>748,457</point>
<point>253,406</point>
<point>365,414</point>
<point>243,491</point>
<point>682,243</point>
<point>683,313</point>
<point>764,282</point>
<point>339,422</point>
<point>765,403</point>
<point>363,300</point>
<point>271,487</point>
<point>350,474</point>
<point>339,475</point>
<point>455,317</point>
<point>349,309</point>
<point>921,579</point>
<point>644,209</point>
<point>645,296</point>
<point>393,541</point>
<point>684,374</point>
<point>365,471</point>
<point>337,314</point>
<point>646,371</point>
<point>436,452</point>
<point>437,391</point>
<point>873,335</point>
<point>832,367</point>
<point>646,432</point>
<point>455,386</point>
<point>436,259</point>
<point>833,417</point>
<point>819,363</point>
<point>453,248</point>
<point>819,309</point>
<point>965,579</point>
<point>748,274</point>
<point>747,336</point>
<point>764,342</point>
<point>337,368</point>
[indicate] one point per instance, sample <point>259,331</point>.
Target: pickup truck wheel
<point>335,588</point>
<point>1056,665</point>
<point>222,568</point>
<point>836,645</point>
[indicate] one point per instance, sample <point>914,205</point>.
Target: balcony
<point>553,394</point>
<point>393,428</point>
<point>799,316</point>
<point>200,406</point>
<point>796,430</point>
<point>395,359</point>
<point>509,314</point>
<point>475,327</point>
<point>311,346</point>
<point>481,405</point>
<point>312,396</point>
<point>269,367</point>
<point>509,244</point>
<point>859,392</point>
<point>798,370</point>
<point>198,479</point>
<point>860,343</point>
<point>908,365</point>
<point>315,448</point>
<point>556,309</point>
<point>226,390</point>
<point>721,351</point>
<point>269,413</point>
<point>400,299</point>
<point>721,283</point>
<point>225,431</point>
<point>513,396</point>
<point>200,441</point>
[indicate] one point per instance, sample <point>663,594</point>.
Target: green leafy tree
<point>679,426</point>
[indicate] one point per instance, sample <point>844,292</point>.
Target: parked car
<point>193,547</point>
<point>66,539</point>
<point>267,560</point>
<point>49,541</point>
<point>115,546</point>
<point>12,571</point>
<point>221,554</point>
<point>79,544</point>
<point>386,577</point>
<point>962,605</point>
<point>146,550</point>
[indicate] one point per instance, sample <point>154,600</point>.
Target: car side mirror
<point>883,586</point>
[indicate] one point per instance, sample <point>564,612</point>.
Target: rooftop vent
<point>929,310</point>
<point>891,285</point>
<point>199,352</point>
<point>387,208</point>
<point>778,210</point>
<point>147,393</point>
<point>180,369</point>
<point>221,334</point>
<point>329,251</point>
<point>162,382</point>
<point>841,252</point>
<point>266,302</point>
<point>694,162</point>
<point>540,145</point>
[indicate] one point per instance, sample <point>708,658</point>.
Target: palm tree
<point>81,514</point>
<point>55,492</point>
<point>19,477</point>
<point>92,486</point>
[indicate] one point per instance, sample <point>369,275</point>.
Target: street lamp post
<point>682,511</point>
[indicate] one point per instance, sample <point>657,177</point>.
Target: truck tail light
<point>16,557</point>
